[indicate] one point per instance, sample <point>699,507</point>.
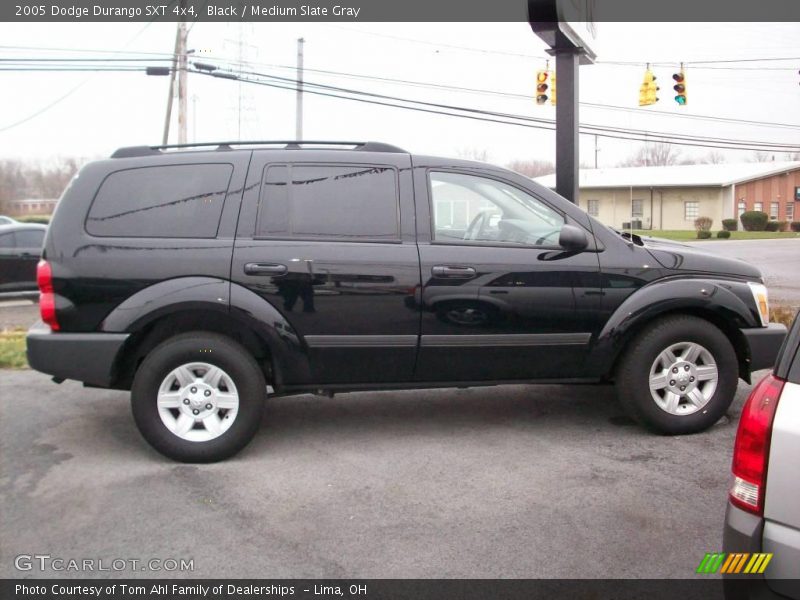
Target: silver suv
<point>762,522</point>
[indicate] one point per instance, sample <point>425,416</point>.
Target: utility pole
<point>171,95</point>
<point>194,118</point>
<point>182,77</point>
<point>595,152</point>
<point>299,108</point>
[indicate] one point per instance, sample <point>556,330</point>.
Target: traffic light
<point>648,89</point>
<point>553,88</point>
<point>680,87</point>
<point>541,87</point>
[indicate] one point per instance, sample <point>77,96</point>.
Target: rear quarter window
<point>175,201</point>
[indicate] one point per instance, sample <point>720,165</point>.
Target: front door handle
<point>265,269</point>
<point>453,272</point>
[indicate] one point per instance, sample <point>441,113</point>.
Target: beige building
<point>671,197</point>
<point>32,206</point>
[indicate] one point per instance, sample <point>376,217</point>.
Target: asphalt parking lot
<point>513,481</point>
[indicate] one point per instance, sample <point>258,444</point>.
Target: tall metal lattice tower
<point>244,122</point>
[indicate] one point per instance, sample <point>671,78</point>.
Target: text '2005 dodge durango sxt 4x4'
<point>197,277</point>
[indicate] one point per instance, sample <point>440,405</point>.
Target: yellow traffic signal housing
<point>553,88</point>
<point>680,88</point>
<point>648,89</point>
<point>541,87</point>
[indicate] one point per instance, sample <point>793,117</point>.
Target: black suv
<point>200,278</point>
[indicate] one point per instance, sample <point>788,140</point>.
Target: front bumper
<point>764,344</point>
<point>87,357</point>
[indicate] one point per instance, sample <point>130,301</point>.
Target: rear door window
<point>175,201</point>
<point>330,202</point>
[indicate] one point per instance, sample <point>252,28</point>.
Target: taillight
<point>47,299</point>
<point>751,450</point>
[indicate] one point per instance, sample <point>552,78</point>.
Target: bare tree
<point>19,179</point>
<point>714,158</point>
<point>653,155</point>
<point>473,154</point>
<point>532,168</point>
<point>761,157</point>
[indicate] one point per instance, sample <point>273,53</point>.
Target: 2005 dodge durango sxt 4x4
<point>197,277</point>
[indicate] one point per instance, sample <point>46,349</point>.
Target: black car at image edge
<point>20,245</point>
<point>201,278</point>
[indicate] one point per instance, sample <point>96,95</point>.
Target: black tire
<point>213,349</point>
<point>633,374</point>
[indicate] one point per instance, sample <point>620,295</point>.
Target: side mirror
<point>573,238</point>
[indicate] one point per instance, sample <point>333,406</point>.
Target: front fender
<point>724,301</point>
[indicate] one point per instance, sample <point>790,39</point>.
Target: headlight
<point>762,301</point>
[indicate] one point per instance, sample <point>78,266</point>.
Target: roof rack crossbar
<point>132,151</point>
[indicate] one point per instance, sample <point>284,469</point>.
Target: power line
<point>527,97</point>
<point>89,50</point>
<point>508,115</point>
<point>698,64</point>
<point>517,120</point>
<point>411,83</point>
<point>63,66</point>
<point>80,85</point>
<point>438,44</point>
<point>606,131</point>
<point>498,117</point>
<point>78,60</point>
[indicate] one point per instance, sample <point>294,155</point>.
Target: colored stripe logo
<point>735,562</point>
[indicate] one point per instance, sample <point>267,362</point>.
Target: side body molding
<point>722,298</point>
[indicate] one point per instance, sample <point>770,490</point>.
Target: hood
<point>681,257</point>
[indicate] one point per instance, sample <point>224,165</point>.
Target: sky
<point>88,115</point>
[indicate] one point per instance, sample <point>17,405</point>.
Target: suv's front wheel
<point>678,376</point>
<point>198,397</point>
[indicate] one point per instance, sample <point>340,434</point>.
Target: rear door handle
<point>265,269</point>
<point>453,272</point>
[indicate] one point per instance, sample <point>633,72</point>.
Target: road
<point>513,481</point>
<point>778,259</point>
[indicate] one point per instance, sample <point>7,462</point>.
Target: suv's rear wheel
<point>678,376</point>
<point>198,397</point>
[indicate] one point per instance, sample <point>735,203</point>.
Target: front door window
<point>472,209</point>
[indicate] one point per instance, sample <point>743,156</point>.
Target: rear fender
<point>174,296</point>
<point>165,297</point>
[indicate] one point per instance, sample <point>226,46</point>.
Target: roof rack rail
<point>132,151</point>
